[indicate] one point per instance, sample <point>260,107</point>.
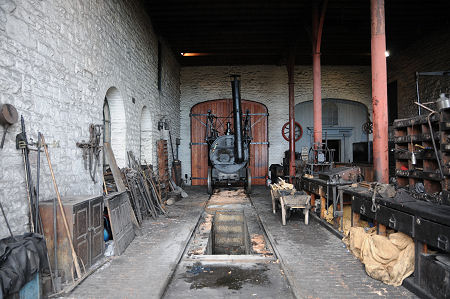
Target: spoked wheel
<point>248,181</point>
<point>210,185</point>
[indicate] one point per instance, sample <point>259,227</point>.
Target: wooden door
<point>96,229</point>
<point>81,230</point>
<point>223,109</point>
<point>119,210</point>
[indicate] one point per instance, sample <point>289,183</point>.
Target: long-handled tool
<point>38,173</point>
<point>22,144</point>
<point>66,226</point>
<point>6,220</point>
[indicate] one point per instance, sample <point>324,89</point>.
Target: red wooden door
<point>223,109</point>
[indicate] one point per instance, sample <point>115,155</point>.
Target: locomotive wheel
<point>298,133</point>
<point>210,186</point>
<point>248,181</point>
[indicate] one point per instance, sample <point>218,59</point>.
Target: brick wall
<point>58,60</point>
<point>426,55</point>
<point>268,85</point>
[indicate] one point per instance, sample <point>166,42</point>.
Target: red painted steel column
<point>290,69</point>
<point>379,92</point>
<point>317,89</point>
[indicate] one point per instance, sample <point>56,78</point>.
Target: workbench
<point>428,224</point>
<point>328,192</point>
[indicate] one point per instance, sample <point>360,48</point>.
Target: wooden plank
<point>114,168</point>
<point>119,210</point>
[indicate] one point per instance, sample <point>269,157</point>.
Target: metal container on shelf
<point>443,102</point>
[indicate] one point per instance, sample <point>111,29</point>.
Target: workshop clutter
<point>389,259</point>
<point>283,186</point>
<point>78,234</point>
<point>347,223</point>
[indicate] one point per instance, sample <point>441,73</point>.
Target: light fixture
<point>194,54</point>
<point>386,53</point>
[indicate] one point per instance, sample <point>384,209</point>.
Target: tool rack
<point>415,159</point>
<point>444,128</point>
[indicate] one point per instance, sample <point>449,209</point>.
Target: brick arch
<point>146,138</point>
<point>118,124</point>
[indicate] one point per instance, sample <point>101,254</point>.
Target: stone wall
<point>268,85</point>
<point>58,60</point>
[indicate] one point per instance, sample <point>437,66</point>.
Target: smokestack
<point>237,115</point>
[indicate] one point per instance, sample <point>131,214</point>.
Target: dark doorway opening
<point>336,146</point>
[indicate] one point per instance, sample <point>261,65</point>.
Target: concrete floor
<point>312,263</point>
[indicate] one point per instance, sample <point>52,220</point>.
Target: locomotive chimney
<point>237,115</point>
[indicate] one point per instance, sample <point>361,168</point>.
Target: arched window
<point>106,129</point>
<point>115,124</point>
<point>330,114</point>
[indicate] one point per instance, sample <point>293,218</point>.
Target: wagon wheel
<point>248,181</point>
<point>297,134</point>
<point>210,185</point>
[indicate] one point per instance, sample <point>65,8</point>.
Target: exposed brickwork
<point>426,55</point>
<point>58,59</point>
<point>268,85</point>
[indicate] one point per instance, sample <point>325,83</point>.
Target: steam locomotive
<point>229,154</point>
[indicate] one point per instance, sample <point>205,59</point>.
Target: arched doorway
<point>115,124</point>
<point>146,144</point>
<point>342,122</point>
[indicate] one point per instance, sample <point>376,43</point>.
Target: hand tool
<point>66,226</point>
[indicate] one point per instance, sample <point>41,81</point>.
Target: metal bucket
<point>443,102</point>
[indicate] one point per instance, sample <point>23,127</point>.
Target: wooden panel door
<point>119,209</point>
<point>81,231</point>
<point>96,229</point>
<point>223,109</point>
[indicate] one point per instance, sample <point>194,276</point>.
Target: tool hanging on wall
<point>8,117</point>
<point>92,149</point>
<point>22,144</point>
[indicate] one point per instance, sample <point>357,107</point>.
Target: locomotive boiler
<point>229,154</point>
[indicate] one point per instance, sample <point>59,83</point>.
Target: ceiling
<point>238,32</point>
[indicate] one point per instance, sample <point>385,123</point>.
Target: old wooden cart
<point>289,201</point>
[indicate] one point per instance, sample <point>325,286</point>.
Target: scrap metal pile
<point>145,196</point>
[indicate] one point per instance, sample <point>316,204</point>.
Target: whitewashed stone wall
<point>268,85</point>
<point>58,59</point>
